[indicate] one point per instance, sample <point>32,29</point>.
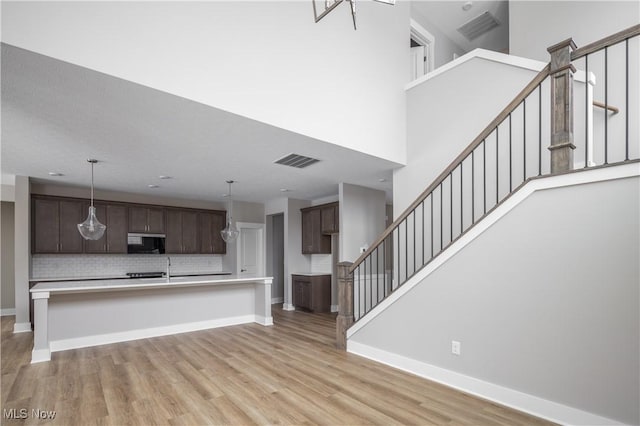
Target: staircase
<point>521,144</point>
<point>529,146</point>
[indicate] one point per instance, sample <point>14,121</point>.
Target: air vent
<point>478,26</point>
<point>296,160</point>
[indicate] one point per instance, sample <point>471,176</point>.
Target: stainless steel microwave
<point>145,243</point>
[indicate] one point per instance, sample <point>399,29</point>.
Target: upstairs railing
<point>533,136</point>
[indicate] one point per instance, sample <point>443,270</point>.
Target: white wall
<point>444,46</point>
<point>266,60</point>
<point>545,307</point>
<point>536,25</point>
<point>7,285</point>
<point>469,95</point>
<point>362,219</point>
<point>22,253</point>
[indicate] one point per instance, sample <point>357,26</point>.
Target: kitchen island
<point>77,314</point>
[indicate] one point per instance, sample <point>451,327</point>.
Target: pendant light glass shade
<point>91,228</point>
<point>230,233</point>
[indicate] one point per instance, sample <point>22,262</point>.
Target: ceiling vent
<point>296,160</point>
<point>478,26</point>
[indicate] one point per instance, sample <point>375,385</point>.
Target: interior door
<point>250,251</point>
<point>418,59</point>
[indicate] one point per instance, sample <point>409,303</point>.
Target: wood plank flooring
<point>287,374</point>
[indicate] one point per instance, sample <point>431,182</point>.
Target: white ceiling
<point>448,15</point>
<point>55,115</point>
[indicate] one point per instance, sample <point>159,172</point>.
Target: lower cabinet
<point>312,292</point>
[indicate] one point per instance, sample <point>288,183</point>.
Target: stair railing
<point>501,159</point>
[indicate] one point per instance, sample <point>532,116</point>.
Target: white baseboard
<point>288,307</point>
<point>264,320</point>
<point>275,300</point>
<point>40,355</point>
<point>7,312</point>
<point>334,308</point>
<point>22,327</point>
<point>531,404</point>
<point>125,336</point>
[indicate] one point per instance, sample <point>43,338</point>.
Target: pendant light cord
<point>92,184</point>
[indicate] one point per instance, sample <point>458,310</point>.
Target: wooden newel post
<point>561,74</point>
<point>345,304</point>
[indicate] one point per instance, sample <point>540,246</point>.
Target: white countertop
<point>122,276</point>
<point>311,274</point>
<point>141,283</point>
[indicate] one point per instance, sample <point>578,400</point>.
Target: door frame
<point>425,38</point>
<point>261,227</point>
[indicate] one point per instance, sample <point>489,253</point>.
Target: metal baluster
<point>484,175</point>
<point>431,251</point>
<point>586,112</point>
<point>524,139</point>
<point>414,240</point>
<point>473,187</point>
<point>364,267</point>
<point>450,207</point>
<point>461,197</point>
<point>540,129</point>
<point>441,220</point>
<point>626,101</point>
<point>384,267</point>
<point>606,104</point>
<point>406,250</point>
<point>497,174</point>
<point>510,165</point>
<point>359,293</point>
<point>371,281</point>
<point>422,232</point>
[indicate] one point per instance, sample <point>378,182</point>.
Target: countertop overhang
<point>143,283</point>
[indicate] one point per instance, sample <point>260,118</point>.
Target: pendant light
<point>230,233</point>
<point>91,229</point>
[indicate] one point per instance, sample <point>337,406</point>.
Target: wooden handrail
<point>611,108</point>
<point>606,42</point>
<point>529,88</point>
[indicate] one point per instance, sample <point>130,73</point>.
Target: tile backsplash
<point>88,265</point>
<point>321,263</point>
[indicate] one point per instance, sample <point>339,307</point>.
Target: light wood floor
<point>241,375</point>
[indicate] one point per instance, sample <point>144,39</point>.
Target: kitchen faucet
<point>168,268</point>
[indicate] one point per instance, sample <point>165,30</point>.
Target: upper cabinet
<point>146,219</point>
<point>182,232</point>
<point>317,223</point>
<point>330,217</point>
<point>55,225</point>
<point>210,223</point>
<point>115,237</point>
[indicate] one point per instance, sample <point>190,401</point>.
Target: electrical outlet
<point>455,347</point>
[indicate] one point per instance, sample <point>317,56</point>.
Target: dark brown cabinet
<point>312,292</point>
<point>55,225</point>
<point>146,219</point>
<point>115,237</point>
<point>330,218</point>
<point>182,231</point>
<point>316,227</point>
<point>210,224</point>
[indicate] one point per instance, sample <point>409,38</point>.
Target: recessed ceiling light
<point>382,180</point>
<point>165,177</point>
<point>153,186</point>
<point>55,174</point>
<point>285,190</point>
<point>467,6</point>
